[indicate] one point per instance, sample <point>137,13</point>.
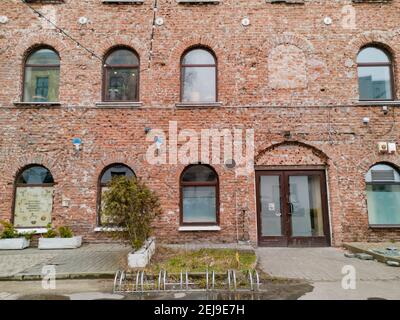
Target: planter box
<point>60,243</point>
<point>14,244</point>
<point>141,257</point>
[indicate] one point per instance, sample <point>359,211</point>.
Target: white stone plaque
<point>33,206</point>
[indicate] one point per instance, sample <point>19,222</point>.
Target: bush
<point>65,232</point>
<point>62,232</point>
<point>131,205</point>
<point>51,233</point>
<point>9,232</point>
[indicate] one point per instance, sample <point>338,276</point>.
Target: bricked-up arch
<point>287,67</point>
<point>291,62</point>
<point>291,153</point>
<point>33,197</point>
<point>114,169</point>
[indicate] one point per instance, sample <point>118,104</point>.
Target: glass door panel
<point>305,206</point>
<point>270,202</point>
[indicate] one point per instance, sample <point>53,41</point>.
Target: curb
<point>60,276</point>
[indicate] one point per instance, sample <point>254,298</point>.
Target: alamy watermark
<point>231,147</point>
<point>49,277</point>
<point>349,280</point>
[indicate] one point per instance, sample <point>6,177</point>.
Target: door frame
<point>286,240</point>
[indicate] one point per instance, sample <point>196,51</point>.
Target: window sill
<point>198,1</point>
<point>199,228</point>
<point>184,105</point>
<point>113,104</point>
<point>384,226</point>
<point>108,229</point>
<point>36,104</point>
<point>379,103</point>
<point>123,1</point>
<point>31,230</point>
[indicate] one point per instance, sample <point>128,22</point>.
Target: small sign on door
<point>271,206</point>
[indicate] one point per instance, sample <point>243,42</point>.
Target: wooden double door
<point>292,208</point>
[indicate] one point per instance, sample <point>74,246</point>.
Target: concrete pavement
<point>323,267</point>
<point>88,261</point>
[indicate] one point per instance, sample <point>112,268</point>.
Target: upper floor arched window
<point>375,74</point>
<point>383,195</point>
<point>198,76</point>
<point>121,76</point>
<point>42,76</point>
<point>33,203</point>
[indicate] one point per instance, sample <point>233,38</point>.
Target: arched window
<point>375,74</point>
<point>198,76</point>
<point>199,196</point>
<point>108,173</point>
<point>121,76</point>
<point>33,197</point>
<point>383,195</point>
<point>42,76</point>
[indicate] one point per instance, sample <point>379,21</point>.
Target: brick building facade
<point>288,71</point>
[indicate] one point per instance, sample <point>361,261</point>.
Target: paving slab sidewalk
<point>323,268</point>
<point>89,261</point>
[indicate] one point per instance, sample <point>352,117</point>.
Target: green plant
<point>28,236</point>
<point>9,232</point>
<point>65,232</point>
<point>51,233</point>
<point>131,205</point>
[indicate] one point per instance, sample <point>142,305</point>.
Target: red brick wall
<point>317,103</point>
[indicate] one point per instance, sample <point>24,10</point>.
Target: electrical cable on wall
<point>90,51</point>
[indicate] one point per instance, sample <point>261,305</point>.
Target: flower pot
<point>60,243</point>
<point>141,257</point>
<point>14,244</point>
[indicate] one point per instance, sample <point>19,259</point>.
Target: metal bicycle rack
<point>140,282</point>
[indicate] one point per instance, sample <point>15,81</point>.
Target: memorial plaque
<point>33,206</point>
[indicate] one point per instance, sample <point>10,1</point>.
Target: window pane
<point>122,84</point>
<point>374,83</point>
<point>382,173</point>
<point>306,203</point>
<point>383,204</point>
<point>199,204</point>
<point>371,55</point>
<point>271,221</point>
<point>199,84</point>
<point>41,84</point>
<point>122,57</point>
<point>116,170</point>
<point>198,56</point>
<point>199,173</point>
<point>35,175</point>
<point>43,57</point>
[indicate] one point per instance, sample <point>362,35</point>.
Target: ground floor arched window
<point>383,195</point>
<point>199,196</point>
<point>33,203</point>
<point>114,170</point>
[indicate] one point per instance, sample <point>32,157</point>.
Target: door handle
<point>291,208</point>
